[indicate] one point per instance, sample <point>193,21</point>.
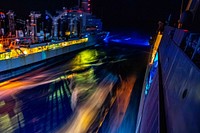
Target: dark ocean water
<point>96,89</point>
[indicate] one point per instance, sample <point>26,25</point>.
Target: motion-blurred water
<point>94,90</point>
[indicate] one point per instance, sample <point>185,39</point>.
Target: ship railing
<point>15,53</point>
<point>188,41</point>
<point>193,41</point>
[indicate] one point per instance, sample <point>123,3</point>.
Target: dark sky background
<point>114,13</point>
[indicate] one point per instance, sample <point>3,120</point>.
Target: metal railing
<point>15,53</point>
<point>193,42</point>
<point>189,42</point>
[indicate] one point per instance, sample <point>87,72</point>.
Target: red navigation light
<point>69,10</point>
<point>79,11</point>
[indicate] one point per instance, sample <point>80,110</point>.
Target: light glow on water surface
<point>128,38</point>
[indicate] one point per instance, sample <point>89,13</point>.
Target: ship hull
<point>172,102</point>
<point>17,66</point>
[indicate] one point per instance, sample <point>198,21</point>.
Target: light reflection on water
<point>71,87</point>
<point>86,113</point>
<point>71,97</point>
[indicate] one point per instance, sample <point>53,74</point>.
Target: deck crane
<point>55,21</point>
<point>77,22</point>
<point>11,16</point>
<point>33,25</point>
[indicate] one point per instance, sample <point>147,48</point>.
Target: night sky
<point>114,13</point>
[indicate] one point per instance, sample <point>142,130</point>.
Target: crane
<point>73,24</point>
<point>55,21</point>
<point>34,16</point>
<point>76,16</point>
<point>11,20</point>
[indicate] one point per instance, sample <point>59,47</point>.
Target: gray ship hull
<point>173,99</point>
